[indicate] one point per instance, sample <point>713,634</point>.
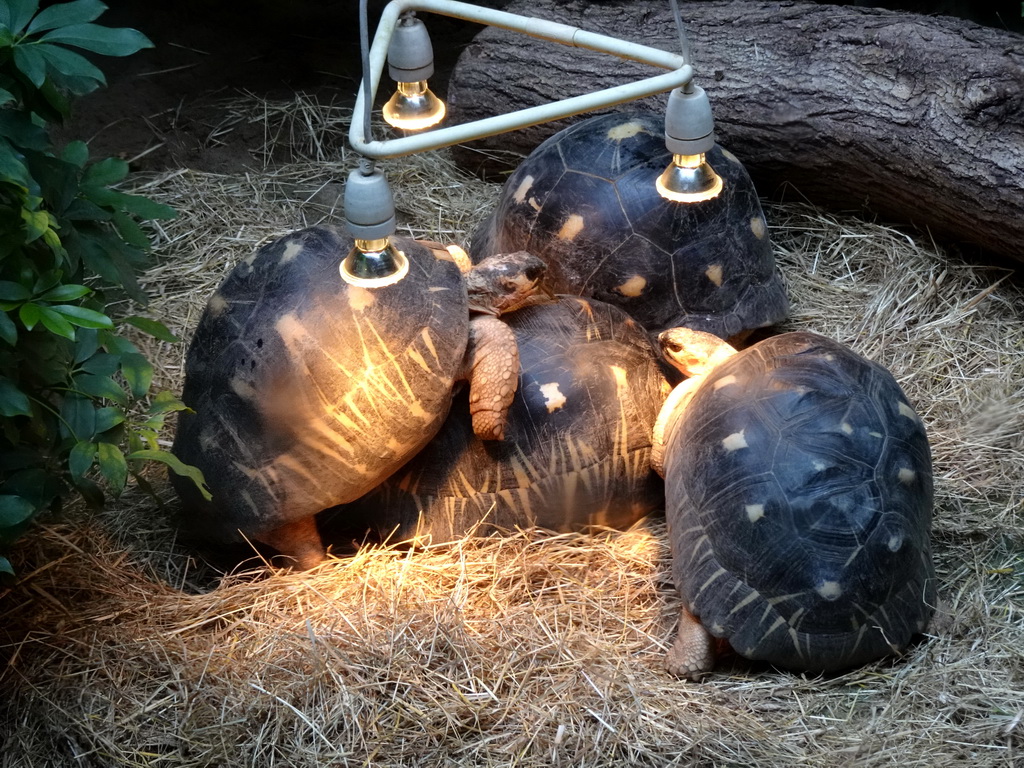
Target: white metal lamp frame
<point>680,75</point>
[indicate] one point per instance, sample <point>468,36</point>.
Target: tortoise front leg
<point>299,541</point>
<point>492,368</point>
<point>692,655</point>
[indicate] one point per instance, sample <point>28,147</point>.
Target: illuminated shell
<point>798,491</point>
<point>577,447</point>
<point>308,391</point>
<point>585,202</point>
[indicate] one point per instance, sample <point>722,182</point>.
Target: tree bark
<point>917,119</point>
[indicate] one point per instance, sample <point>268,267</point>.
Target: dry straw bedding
<point>120,649</point>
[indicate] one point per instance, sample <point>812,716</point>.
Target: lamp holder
<point>680,74</point>
<point>410,54</point>
<point>369,206</point>
<point>689,126</point>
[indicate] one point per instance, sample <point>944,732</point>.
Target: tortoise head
<point>506,282</point>
<point>694,353</point>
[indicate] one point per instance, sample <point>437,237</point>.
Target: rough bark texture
<point>918,119</point>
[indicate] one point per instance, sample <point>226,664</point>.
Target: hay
<point>536,649</point>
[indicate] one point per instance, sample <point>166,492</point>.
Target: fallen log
<point>918,119</point>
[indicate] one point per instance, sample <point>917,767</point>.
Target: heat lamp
<point>402,41</point>
<point>689,135</point>
<point>414,106</point>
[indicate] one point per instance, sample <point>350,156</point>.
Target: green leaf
<point>76,86</point>
<point>19,128</point>
<point>64,62</point>
<point>8,330</point>
<point>100,386</point>
<point>102,364</point>
<point>57,179</point>
<point>86,210</point>
<point>85,318</point>
<point>29,315</point>
<point>79,414</point>
<point>144,208</point>
<point>56,323</point>
<point>76,153</point>
<point>5,96</point>
<point>12,167</point>
<point>154,328</point>
<point>116,344</point>
<point>13,402</point>
<point>175,465</point>
<point>107,418</point>
<point>166,402</point>
<point>20,12</point>
<point>37,485</point>
<point>66,292</point>
<point>36,223</point>
<point>96,258</point>
<point>10,291</point>
<point>107,41</point>
<point>130,232</point>
<point>153,425</point>
<point>56,100</point>
<point>52,241</point>
<point>66,14</point>
<point>109,257</point>
<point>142,438</point>
<point>86,344</point>
<point>138,373</point>
<point>5,567</point>
<point>102,195</point>
<point>106,172</point>
<point>112,466</point>
<point>91,492</point>
<point>14,510</point>
<point>49,279</point>
<point>81,457</point>
<point>145,486</point>
<point>31,63</point>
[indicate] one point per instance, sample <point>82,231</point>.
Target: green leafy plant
<point>75,401</point>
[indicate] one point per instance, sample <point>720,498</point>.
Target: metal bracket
<point>681,73</point>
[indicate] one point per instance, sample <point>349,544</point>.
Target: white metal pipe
<point>680,75</point>
<point>546,30</point>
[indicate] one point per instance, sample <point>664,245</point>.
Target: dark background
<point>169,100</point>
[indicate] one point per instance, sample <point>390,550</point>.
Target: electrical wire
<point>684,43</point>
<point>364,50</point>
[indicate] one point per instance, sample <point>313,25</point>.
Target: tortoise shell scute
<point>577,445</point>
<point>585,201</point>
<point>799,495</point>
<point>307,391</point>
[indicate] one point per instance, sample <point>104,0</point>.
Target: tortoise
<point>577,447</point>
<point>798,489</point>
<point>306,391</point>
<point>585,201</point>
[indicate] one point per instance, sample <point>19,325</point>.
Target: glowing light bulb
<point>370,217</point>
<point>689,179</point>
<point>689,134</point>
<point>414,107</point>
<point>374,264</point>
<point>410,62</point>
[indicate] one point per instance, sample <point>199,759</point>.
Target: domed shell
<point>308,391</point>
<point>585,201</point>
<point>577,446</point>
<point>799,496</point>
